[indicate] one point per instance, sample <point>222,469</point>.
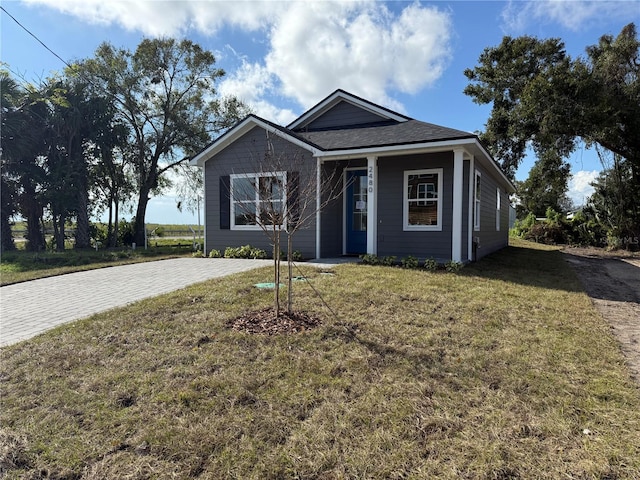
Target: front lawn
<point>503,370</point>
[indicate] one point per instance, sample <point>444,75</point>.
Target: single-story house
<point>362,178</point>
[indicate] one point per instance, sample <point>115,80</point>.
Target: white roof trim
<point>425,147</point>
<point>334,99</point>
<point>239,130</point>
<point>389,150</point>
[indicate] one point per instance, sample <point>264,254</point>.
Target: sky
<point>284,57</point>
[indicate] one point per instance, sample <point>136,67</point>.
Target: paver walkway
<point>30,308</point>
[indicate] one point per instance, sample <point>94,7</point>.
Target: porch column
<point>372,204</point>
<point>318,203</point>
<point>456,230</point>
<point>472,170</point>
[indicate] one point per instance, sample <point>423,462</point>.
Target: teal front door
<point>356,214</point>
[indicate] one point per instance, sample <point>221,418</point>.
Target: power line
<point>34,36</point>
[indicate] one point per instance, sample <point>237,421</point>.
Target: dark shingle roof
<point>379,135</point>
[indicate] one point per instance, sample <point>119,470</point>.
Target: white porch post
<point>472,169</point>
<point>456,231</point>
<point>372,205</point>
<point>318,203</point>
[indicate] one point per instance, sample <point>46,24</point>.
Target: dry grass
<point>501,371</point>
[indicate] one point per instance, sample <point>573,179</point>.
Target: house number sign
<point>370,175</point>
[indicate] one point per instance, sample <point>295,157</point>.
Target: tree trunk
<point>58,231</point>
<point>6,236</point>
<point>110,224</point>
<point>139,225</point>
<point>35,235</point>
<point>276,272</point>
<point>116,221</point>
<point>82,220</point>
<point>7,243</point>
<point>290,266</point>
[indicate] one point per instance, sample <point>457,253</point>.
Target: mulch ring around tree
<point>265,322</point>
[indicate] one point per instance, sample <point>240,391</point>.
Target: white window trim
<point>256,176</point>
<point>405,201</point>
<point>477,202</point>
<point>498,209</point>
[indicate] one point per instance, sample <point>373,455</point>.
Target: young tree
<point>164,92</point>
<point>280,196</point>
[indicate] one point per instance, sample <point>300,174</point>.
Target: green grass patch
<point>20,265</point>
<point>502,370</point>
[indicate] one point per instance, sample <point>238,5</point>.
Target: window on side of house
<point>498,208</point>
<point>422,200</point>
<point>476,202</point>
<point>257,199</point>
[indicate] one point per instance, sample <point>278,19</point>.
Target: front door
<point>356,211</point>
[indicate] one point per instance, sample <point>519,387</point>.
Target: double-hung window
<point>423,199</point>
<point>258,200</point>
<point>498,209</point>
<point>476,201</point>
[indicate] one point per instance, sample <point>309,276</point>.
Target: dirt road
<point>613,283</point>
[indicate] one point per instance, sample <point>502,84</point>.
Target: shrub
<point>409,262</point>
<point>215,253</point>
<point>453,266</point>
<point>245,251</point>
<point>369,259</point>
<point>388,261</point>
<point>548,233</point>
<point>296,256</point>
<point>126,233</point>
<point>430,264</point>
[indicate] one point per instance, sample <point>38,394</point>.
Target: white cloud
<point>580,186</point>
<point>360,47</point>
<point>166,18</point>
<point>571,14</point>
<point>313,47</point>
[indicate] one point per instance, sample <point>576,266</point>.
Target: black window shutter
<point>225,202</point>
<point>293,191</point>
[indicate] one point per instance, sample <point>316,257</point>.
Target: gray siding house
<point>361,179</point>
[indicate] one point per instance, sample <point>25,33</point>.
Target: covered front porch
<point>396,203</point>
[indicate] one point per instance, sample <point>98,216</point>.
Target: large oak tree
<point>543,98</point>
<point>165,93</point>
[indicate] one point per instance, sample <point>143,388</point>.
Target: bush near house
<point>556,229</point>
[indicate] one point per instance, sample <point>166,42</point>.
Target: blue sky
<point>283,57</point>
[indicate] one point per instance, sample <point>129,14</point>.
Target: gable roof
<point>342,96</point>
<point>245,125</point>
<point>390,134</point>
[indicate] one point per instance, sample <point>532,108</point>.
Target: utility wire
<point>34,36</point>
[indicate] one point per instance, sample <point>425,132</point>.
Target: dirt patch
<point>612,280</point>
<point>266,322</point>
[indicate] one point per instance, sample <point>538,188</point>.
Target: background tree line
<point>104,133</point>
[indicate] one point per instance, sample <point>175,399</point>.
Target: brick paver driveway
<point>30,308</point>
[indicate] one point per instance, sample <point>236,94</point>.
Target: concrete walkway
<point>30,308</point>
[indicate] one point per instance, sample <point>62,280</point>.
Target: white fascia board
<point>511,187</point>
<point>335,98</point>
<point>427,147</point>
<point>238,131</point>
<point>472,145</point>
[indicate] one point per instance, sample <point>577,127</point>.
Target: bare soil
<point>612,280</point>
